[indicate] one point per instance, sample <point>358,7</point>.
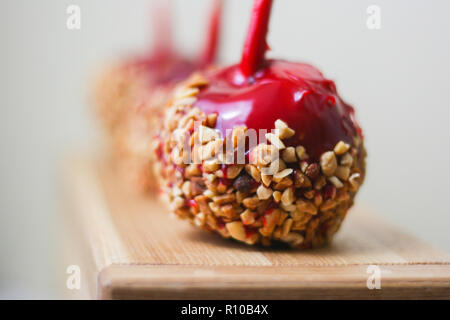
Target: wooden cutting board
<point>131,247</point>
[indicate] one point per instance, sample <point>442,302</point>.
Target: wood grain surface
<point>133,248</point>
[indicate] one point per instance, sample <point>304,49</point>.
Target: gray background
<point>398,78</point>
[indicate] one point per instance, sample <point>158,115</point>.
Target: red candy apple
<point>295,187</point>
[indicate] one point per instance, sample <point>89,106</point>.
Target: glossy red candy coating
<point>165,70</point>
<point>293,92</point>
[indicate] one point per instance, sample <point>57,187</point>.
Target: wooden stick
<point>162,28</point>
<point>255,46</point>
<point>212,40</point>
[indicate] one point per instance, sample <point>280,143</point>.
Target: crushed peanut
<point>238,135</point>
<point>328,163</point>
<point>236,230</point>
<point>328,205</point>
<point>266,179</point>
<point>254,172</point>
<point>211,165</point>
<point>211,120</point>
<point>341,148</point>
<point>287,225</point>
<point>293,238</point>
<point>196,80</point>
<point>284,132</point>
<point>277,196</point>
<point>280,175</point>
<point>288,197</point>
<point>275,141</point>
<point>342,173</point>
<point>248,217</point>
<point>233,171</point>
<point>207,134</point>
<point>346,160</point>
<point>226,198</point>
<point>301,153</point>
<point>305,206</point>
<point>186,188</point>
<point>263,192</point>
<point>289,155</point>
<point>354,181</point>
<point>336,182</point>
<point>186,93</point>
<point>251,203</point>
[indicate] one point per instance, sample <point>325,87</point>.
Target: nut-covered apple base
<point>300,202</point>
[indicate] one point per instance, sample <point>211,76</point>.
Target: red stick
<point>255,45</point>
<point>162,28</point>
<point>212,40</point>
